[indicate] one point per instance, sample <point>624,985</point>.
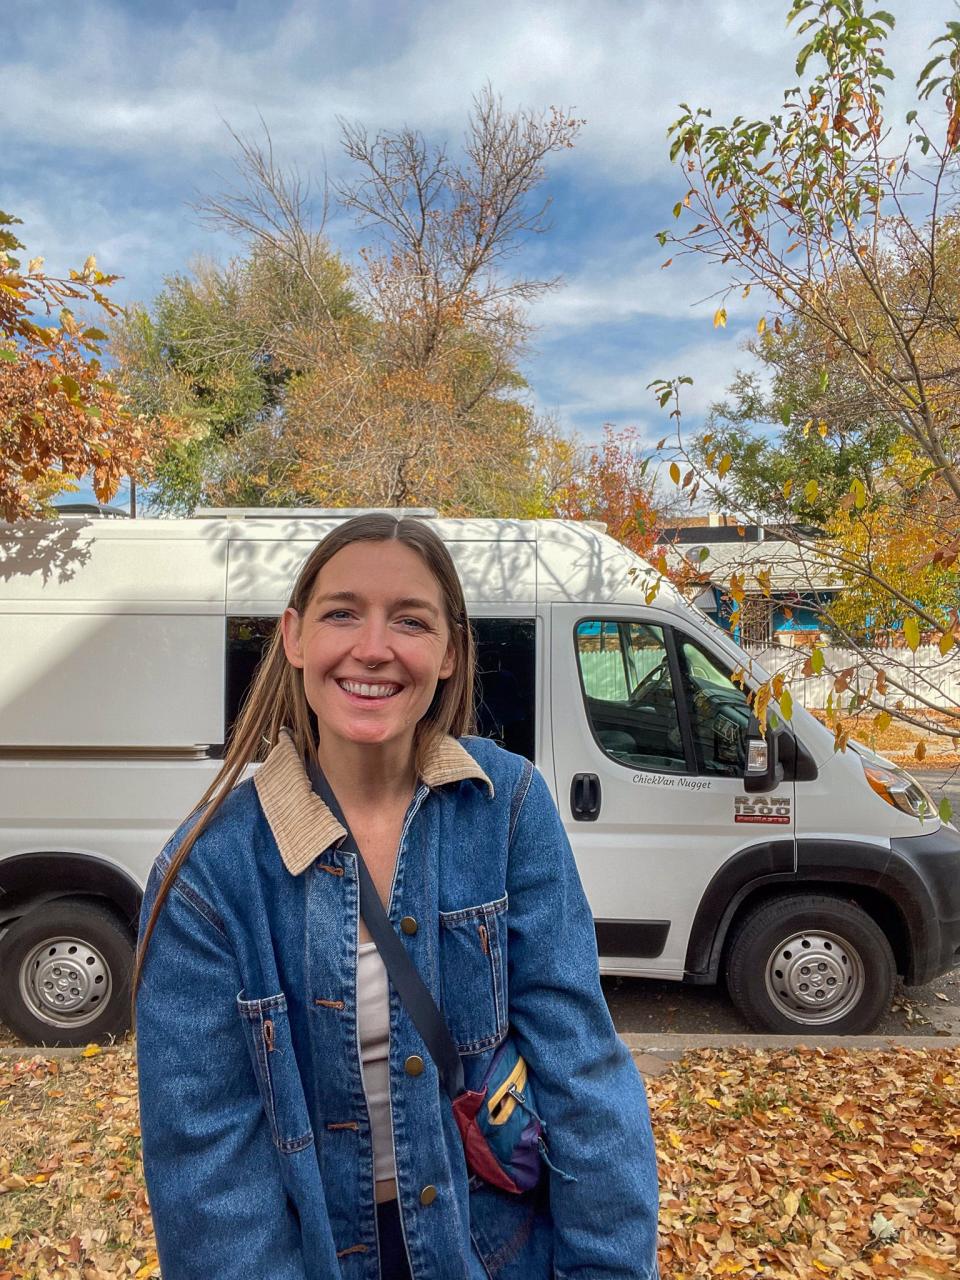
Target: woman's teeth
<point>369,690</point>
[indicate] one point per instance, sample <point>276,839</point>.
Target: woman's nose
<point>372,645</point>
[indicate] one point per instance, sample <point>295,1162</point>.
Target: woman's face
<point>372,643</point>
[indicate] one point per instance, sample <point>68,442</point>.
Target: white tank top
<point>373,1021</point>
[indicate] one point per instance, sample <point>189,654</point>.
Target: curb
<point>27,1051</point>
<point>673,1046</point>
<point>666,1048</point>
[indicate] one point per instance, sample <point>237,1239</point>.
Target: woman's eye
<point>414,624</point>
<point>337,615</point>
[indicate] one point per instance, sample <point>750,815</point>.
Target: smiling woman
<point>441,1094</point>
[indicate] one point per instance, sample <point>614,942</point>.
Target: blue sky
<point>114,116</point>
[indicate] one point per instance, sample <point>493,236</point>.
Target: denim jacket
<point>256,1138</point>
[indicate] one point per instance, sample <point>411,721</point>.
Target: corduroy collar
<point>301,823</point>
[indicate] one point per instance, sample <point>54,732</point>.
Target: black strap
<point>410,987</point>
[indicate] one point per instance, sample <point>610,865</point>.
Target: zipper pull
<point>268,1034</point>
<point>484,939</point>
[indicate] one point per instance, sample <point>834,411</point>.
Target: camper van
<point>804,878</point>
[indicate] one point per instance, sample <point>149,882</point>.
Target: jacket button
<point>408,925</point>
<point>413,1065</point>
<point>428,1195</point>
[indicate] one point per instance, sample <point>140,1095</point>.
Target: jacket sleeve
<point>219,1208</point>
<point>588,1091</point>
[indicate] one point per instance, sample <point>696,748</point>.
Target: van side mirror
<point>763,770</point>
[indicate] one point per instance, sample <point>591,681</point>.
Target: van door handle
<point>585,797</point>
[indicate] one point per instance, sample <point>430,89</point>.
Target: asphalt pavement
<point>648,1007</point>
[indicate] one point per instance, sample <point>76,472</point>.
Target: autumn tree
<point>850,238</point>
<point>396,379</point>
<point>60,416</point>
<point>605,480</point>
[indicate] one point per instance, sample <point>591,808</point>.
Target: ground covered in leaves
<point>796,1163</point>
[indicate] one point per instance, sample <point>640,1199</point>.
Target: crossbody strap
<point>409,986</point>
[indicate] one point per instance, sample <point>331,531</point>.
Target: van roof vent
<point>307,513</point>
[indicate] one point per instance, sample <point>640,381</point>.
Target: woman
<point>293,1123</point>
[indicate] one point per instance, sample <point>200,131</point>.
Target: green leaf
<point>785,413</point>
<point>816,661</point>
<point>911,632</point>
<point>786,704</point>
<point>945,810</point>
<point>8,356</point>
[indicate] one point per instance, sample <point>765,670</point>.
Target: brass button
<point>413,1065</point>
<point>428,1195</point>
<point>408,925</point>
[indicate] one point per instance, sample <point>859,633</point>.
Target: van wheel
<point>807,961</point>
<point>65,974</point>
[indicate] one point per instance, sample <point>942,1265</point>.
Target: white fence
<point>925,672</point>
<point>603,673</point>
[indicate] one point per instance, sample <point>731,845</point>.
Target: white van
<point>805,878</point>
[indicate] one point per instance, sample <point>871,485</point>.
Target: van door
<point>649,742</point>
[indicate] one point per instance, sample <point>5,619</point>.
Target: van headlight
<point>894,784</point>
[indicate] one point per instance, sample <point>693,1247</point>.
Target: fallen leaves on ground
<point>805,1163</point>
<point>791,1164</point>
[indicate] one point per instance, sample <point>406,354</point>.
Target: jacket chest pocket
<point>266,1027</point>
<point>473,974</point>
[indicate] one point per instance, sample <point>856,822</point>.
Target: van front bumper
<point>935,858</point>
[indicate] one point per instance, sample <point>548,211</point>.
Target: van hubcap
<point>815,977</point>
<point>65,982</point>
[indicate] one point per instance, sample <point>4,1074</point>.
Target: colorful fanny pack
<point>504,1140</point>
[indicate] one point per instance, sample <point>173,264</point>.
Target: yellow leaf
<point>720,318</point>
<point>788,488</point>
<point>806,427</point>
<point>911,632</point>
<point>712,1102</point>
<point>920,751</point>
<point>761,325</point>
<point>6,1242</point>
<point>918,1147</point>
<point>674,473</point>
<point>820,1267</point>
<point>822,429</point>
<point>946,643</point>
<point>810,490</point>
<point>726,462</point>
<point>148,1268</point>
<point>786,704</point>
<point>882,720</point>
<point>90,1051</point>
<point>674,1140</point>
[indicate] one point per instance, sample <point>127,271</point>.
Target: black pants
<point>393,1254</point>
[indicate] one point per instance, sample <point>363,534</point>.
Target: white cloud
<point>138,87</point>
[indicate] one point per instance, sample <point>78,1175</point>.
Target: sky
<point>114,117</point>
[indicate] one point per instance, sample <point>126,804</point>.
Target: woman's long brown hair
<point>277,700</point>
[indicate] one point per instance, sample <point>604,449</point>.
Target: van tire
<point>789,953</point>
<point>82,933</point>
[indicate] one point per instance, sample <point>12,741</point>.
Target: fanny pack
<point>504,1140</point>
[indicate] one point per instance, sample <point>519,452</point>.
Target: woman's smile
<point>369,692</point>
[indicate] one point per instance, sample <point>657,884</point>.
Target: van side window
<point>506,675</point>
<point>507,681</point>
<point>629,694</point>
<point>718,710</point>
